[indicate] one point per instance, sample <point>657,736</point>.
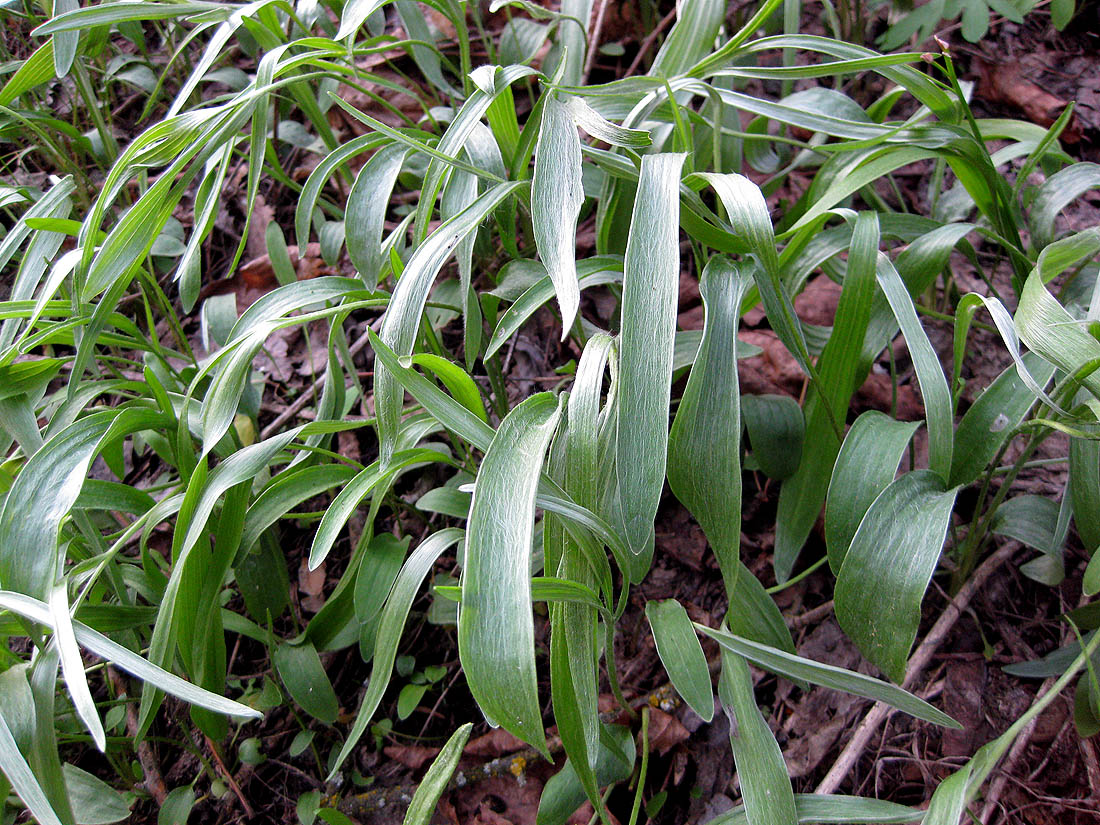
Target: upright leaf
<point>496,637</point>
<point>765,786</point>
<point>556,198</point>
<point>650,282</point>
<point>866,465</point>
<point>704,448</point>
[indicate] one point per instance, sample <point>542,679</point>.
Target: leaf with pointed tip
<point>865,466</point>
<point>682,655</point>
<point>402,320</point>
<point>127,660</point>
<point>435,781</point>
<point>390,626</point>
<point>834,808</point>
<point>796,667</point>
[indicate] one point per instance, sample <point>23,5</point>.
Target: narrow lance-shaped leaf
<point>390,626</point>
<point>765,786</point>
<point>365,215</point>
<point>556,198</point>
<point>126,659</point>
<point>435,780</point>
<point>496,638</point>
<point>930,377</point>
<point>407,305</point>
<point>650,282</point>
<point>821,808</point>
<point>704,447</point>
<point>798,668</point>
<point>888,566</point>
<point>842,369</point>
<point>1048,329</point>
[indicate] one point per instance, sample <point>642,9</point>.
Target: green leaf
<point>691,38</point>
<point>843,367</point>
<point>93,800</point>
<point>1061,12</point>
<point>930,377</point>
<point>682,655</point>
<point>953,794</point>
<point>818,808</point>
<point>761,771</point>
<point>865,466</point>
<point>775,426</point>
<point>390,626</point>
<point>1084,490</point>
<point>1049,330</point>
<point>495,626</point>
<point>993,417</point>
<point>888,566</point>
<point>704,451</point>
<point>1055,194</point>
<point>377,573</point>
<point>457,381</point>
<point>177,806</point>
<point>800,669</point>
<point>435,780</point>
<point>755,615</point>
<point>365,214</point>
<point>406,305</point>
<point>556,199</point>
<point>370,478</point>
<point>127,660</point>
<point>22,779</point>
<point>650,283</point>
<point>563,794</point>
<point>307,683</point>
<point>34,71</point>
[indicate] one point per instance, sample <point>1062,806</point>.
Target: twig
<point>923,655</point>
<point>647,44</point>
<point>594,41</point>
<point>224,771</point>
<point>992,802</point>
<point>150,769</point>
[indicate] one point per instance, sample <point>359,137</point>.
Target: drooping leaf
<point>556,198</point>
<point>390,626</point>
<point>817,673</point>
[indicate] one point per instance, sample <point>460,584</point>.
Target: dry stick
<point>594,42</point>
<point>154,780</point>
<point>1018,748</point>
<point>647,44</point>
<point>877,715</point>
